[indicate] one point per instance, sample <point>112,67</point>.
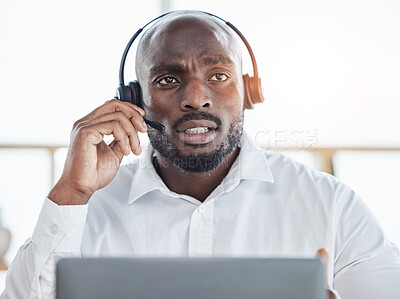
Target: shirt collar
<point>251,164</point>
<point>252,161</point>
<point>145,179</point>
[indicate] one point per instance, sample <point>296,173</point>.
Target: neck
<point>197,185</point>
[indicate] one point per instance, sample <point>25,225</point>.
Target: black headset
<point>132,92</point>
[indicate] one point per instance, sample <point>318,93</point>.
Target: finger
<point>131,111</point>
<point>323,255</point>
<point>140,110</point>
<point>117,103</point>
<point>126,124</point>
<point>94,133</point>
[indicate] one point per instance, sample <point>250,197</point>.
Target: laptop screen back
<point>224,278</point>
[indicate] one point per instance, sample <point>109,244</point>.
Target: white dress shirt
<point>267,205</point>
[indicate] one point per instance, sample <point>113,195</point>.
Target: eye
<point>167,81</point>
<point>219,77</point>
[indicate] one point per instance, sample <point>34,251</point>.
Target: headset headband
<point>128,46</point>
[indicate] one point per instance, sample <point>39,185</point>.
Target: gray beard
<point>202,162</point>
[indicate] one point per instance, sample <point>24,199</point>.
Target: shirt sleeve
<point>58,233</point>
<point>366,264</point>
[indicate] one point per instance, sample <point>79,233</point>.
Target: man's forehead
<point>195,34</point>
<point>202,56</point>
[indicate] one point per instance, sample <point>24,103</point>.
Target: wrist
<point>63,194</point>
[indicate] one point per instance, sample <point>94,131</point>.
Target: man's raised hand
<point>91,164</point>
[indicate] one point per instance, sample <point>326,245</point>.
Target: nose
<point>195,96</point>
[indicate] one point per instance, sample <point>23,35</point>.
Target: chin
<point>195,158</point>
<point>198,154</point>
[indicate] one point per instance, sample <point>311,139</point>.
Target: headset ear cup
<point>136,93</point>
<point>253,93</point>
<point>248,104</point>
<point>123,93</point>
<point>256,90</point>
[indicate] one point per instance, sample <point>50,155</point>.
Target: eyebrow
<point>174,68</point>
<point>220,59</point>
<point>179,68</point>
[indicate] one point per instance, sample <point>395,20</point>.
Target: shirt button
<point>202,209</point>
<point>54,229</point>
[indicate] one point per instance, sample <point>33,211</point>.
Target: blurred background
<point>330,70</point>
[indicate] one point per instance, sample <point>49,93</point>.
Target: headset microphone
<point>132,92</point>
<point>156,125</point>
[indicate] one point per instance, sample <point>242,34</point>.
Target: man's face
<point>192,83</point>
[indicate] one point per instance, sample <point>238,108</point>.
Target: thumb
<point>323,255</point>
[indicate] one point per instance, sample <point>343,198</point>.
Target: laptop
<point>189,278</point>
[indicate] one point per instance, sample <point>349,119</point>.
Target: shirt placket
<point>201,230</point>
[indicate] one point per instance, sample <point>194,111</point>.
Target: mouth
<point>197,132</point>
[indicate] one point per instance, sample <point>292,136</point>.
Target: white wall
<point>58,61</point>
<point>330,67</point>
<point>333,66</point>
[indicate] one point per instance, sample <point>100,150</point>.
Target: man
<point>202,189</point>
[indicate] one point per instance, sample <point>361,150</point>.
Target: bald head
<point>189,31</point>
